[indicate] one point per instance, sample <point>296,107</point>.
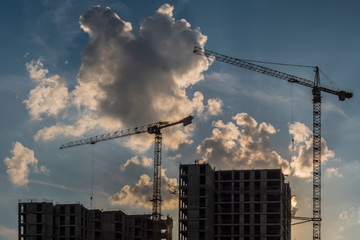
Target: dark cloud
<point>132,78</point>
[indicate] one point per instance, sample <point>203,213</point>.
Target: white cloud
<point>303,164</point>
<point>177,156</point>
<point>129,79</point>
<point>144,161</point>
<point>141,193</point>
<point>352,215</point>
<point>294,207</point>
<point>214,107</point>
<point>75,130</point>
<point>21,163</point>
<point>8,233</point>
<point>333,172</point>
<point>50,96</point>
<point>245,144</point>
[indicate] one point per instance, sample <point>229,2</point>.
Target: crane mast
<point>154,128</point>
<point>316,92</point>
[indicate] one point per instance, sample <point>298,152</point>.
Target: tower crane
<point>154,128</point>
<point>317,88</point>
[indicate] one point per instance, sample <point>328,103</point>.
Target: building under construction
<point>233,204</point>
<point>45,221</point>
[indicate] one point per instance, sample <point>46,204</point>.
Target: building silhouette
<point>45,221</point>
<point>233,204</point>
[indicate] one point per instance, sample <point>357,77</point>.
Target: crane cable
<point>292,121</point>
<point>332,84</point>
<point>92,177</point>
<point>277,63</point>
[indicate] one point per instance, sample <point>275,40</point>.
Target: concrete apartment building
<point>233,204</point>
<point>45,221</point>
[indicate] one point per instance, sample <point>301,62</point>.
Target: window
<point>117,227</point>
<point>202,225</point>
<point>201,235</point>
<point>226,175</point>
<point>273,185</point>
<point>202,202</point>
<point>72,209</point>
<point>202,213</point>
<point>38,218</point>
<point>273,218</point>
<point>226,197</point>
<point>257,229</point>
<point>257,220</point>
<point>273,207</point>
<point>257,207</point>
<point>246,207</point>
<point>202,180</point>
<point>246,229</point>
<point>236,186</point>
<point>273,197</point>
<point>246,219</point>
<point>273,229</point>
<point>117,217</point>
<point>22,230</point>
<point>273,174</point>
<point>236,220</point>
<point>38,228</point>
<point>22,218</point>
<point>97,215</point>
<point>62,209</point>
<point>257,186</point>
<point>72,220</point>
<point>72,231</point>
<point>62,220</point>
<point>246,175</point>
<point>97,225</point>
<point>184,170</point>
<point>225,230</point>
<point>236,175</point>
<point>247,186</point>
<point>246,197</point>
<point>202,169</point>
<point>39,207</point>
<point>22,207</point>
<point>257,174</point>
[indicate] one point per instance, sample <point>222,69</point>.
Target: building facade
<point>45,221</point>
<point>233,204</point>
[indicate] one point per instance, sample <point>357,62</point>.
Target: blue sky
<point>65,78</point>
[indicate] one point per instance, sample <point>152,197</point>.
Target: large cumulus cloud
<point>244,143</point>
<point>50,96</point>
<point>140,194</point>
<point>302,165</point>
<point>21,163</point>
<point>129,78</point>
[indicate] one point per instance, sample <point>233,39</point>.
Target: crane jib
<point>343,95</point>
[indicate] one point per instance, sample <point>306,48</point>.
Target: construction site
<point>238,204</point>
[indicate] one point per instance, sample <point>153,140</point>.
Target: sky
<point>75,69</point>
